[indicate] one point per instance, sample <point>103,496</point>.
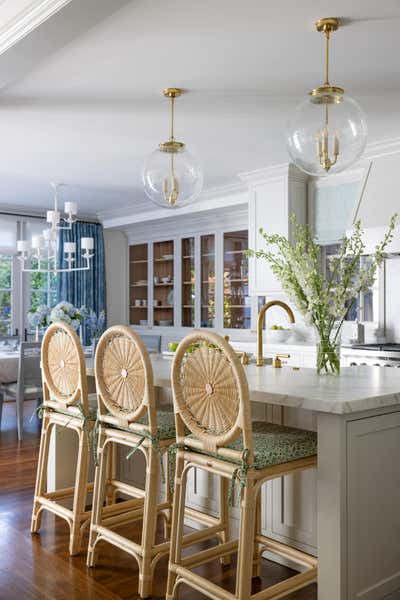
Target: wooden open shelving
<point>163,267</point>
<point>138,278</point>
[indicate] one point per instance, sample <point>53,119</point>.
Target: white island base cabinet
<point>359,505</point>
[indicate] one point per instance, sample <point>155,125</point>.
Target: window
<point>6,292</point>
<point>366,307</point>
<point>43,287</point>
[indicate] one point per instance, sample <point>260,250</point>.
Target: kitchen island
<point>358,479</point>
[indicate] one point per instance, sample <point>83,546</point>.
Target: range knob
<point>353,364</point>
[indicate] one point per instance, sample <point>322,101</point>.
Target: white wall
<point>116,255</point>
<point>381,196</point>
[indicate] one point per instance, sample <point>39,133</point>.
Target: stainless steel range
<point>374,355</point>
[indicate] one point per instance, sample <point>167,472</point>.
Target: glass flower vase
<point>328,350</point>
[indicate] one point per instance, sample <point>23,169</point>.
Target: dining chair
<point>214,433</point>
<point>128,418</point>
<point>29,382</point>
<point>65,405</point>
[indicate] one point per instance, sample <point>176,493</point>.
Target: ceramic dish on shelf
<point>165,279</point>
<point>168,256</point>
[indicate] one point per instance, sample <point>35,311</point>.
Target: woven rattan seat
<point>211,400</point>
<point>65,405</point>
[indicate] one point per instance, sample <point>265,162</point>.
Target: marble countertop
<point>355,389</point>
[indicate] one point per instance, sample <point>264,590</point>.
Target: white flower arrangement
<point>323,301</point>
<point>67,313</point>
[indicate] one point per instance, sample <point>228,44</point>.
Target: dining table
<point>8,365</point>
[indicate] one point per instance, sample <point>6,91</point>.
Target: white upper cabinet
<point>275,194</point>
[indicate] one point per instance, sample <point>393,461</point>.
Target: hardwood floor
<point>37,567</point>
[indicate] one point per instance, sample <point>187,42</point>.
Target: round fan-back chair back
<point>124,376</point>
<point>63,366</point>
<point>211,394</point>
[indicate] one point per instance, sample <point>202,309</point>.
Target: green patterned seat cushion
<point>277,444</point>
<point>165,421</point>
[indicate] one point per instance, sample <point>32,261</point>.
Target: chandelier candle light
<point>328,132</point>
<point>43,248</point>
<point>171,176</point>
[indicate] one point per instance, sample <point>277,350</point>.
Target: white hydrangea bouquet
<point>68,313</point>
<point>323,300</point>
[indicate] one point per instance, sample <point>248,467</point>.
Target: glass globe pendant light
<point>171,176</point>
<point>328,131</point>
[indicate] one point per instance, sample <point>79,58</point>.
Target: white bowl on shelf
<point>165,279</point>
<point>278,336</point>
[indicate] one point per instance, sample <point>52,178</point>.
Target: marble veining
<point>355,389</point>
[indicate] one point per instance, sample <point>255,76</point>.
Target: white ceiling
<point>86,108</point>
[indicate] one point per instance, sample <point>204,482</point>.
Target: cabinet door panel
<point>268,210</point>
<point>290,509</point>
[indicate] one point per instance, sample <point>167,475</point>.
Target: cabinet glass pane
<point>237,308</point>
<point>163,291</point>
<point>207,245</point>
<point>188,282</point>
<point>138,284</point>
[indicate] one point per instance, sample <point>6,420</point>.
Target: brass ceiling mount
<point>327,25</point>
<point>172,92</point>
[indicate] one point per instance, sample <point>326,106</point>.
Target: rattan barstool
<point>211,400</point>
<point>65,404</point>
<point>127,417</point>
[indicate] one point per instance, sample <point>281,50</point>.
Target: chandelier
<point>171,176</point>
<point>43,248</point>
<point>327,132</point>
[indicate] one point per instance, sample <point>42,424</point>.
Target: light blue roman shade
<point>333,207</point>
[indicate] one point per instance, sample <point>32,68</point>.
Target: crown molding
<point>210,199</point>
<point>26,20</point>
<point>382,148</point>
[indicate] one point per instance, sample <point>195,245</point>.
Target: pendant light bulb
<point>171,176</point>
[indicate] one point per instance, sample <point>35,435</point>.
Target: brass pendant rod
<point>172,118</point>
<point>327,37</point>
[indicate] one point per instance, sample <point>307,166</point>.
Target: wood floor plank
<point>38,567</point>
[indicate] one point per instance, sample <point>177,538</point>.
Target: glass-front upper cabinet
<point>237,304</point>
<point>138,264</point>
<point>207,263</point>
<point>163,281</point>
<point>188,282</point>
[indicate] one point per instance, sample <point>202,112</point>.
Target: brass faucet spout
<point>260,325</point>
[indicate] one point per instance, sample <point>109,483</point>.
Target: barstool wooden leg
<point>149,522</point>
<point>257,531</point>
<point>112,469</point>
<point>224,516</point>
<point>98,497</point>
<point>79,494</point>
<point>246,542</point>
<point>178,512</point>
<point>168,498</point>
<point>41,475</point>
